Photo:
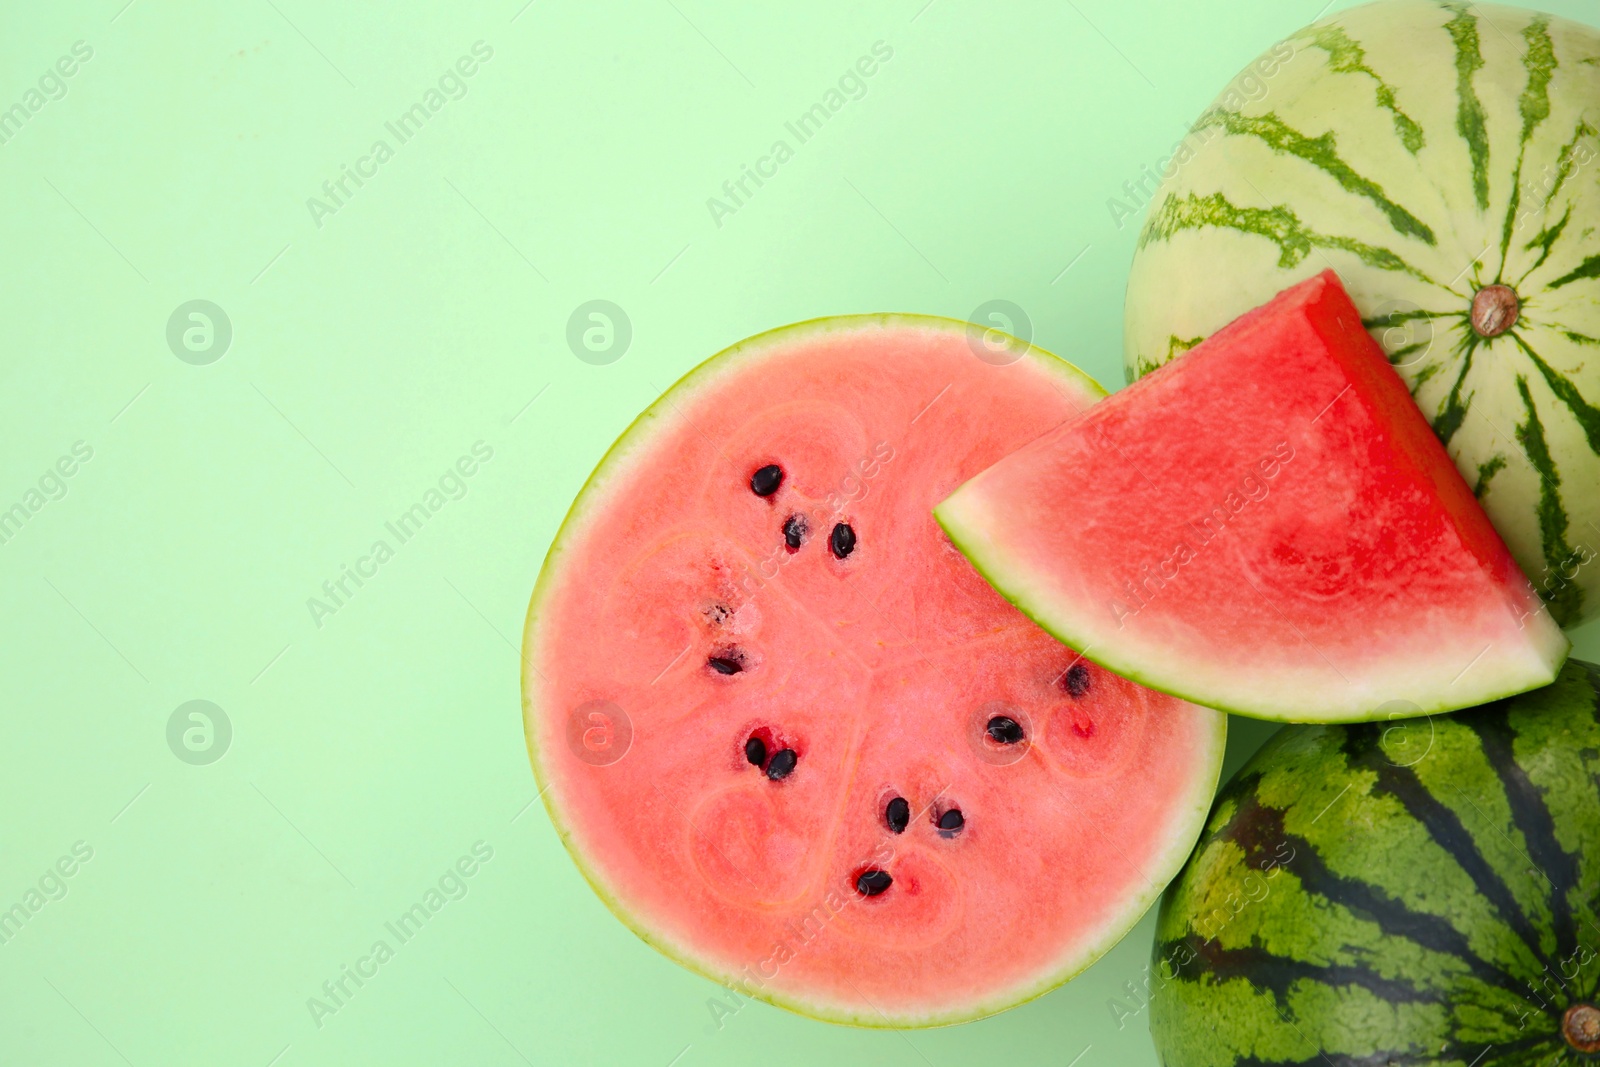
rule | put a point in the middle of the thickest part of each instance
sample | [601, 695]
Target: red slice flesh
[880, 670]
[1267, 525]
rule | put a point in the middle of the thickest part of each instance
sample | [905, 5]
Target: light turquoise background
[372, 347]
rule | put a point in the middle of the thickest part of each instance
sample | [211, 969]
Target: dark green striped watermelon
[1443, 158]
[1419, 891]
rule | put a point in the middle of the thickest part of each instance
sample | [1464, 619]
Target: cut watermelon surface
[795, 741]
[1266, 525]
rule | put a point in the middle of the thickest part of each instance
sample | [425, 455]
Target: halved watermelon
[1266, 525]
[788, 733]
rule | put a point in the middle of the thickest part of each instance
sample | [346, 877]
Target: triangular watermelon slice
[1266, 525]
[795, 741]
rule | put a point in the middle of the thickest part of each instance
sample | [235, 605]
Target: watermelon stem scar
[1581, 1027]
[1494, 310]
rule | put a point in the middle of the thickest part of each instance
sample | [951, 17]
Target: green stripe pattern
[1280, 225]
[1470, 122]
[1534, 106]
[1345, 56]
[1421, 891]
[1321, 152]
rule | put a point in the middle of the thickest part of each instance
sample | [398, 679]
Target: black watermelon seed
[1077, 680]
[897, 814]
[951, 821]
[1005, 730]
[725, 665]
[795, 529]
[765, 481]
[755, 750]
[842, 540]
[872, 881]
[782, 764]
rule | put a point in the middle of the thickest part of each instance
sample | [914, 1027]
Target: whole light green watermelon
[1414, 892]
[1443, 158]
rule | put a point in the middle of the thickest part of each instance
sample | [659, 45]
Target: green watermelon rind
[1368, 953]
[1165, 866]
[1016, 585]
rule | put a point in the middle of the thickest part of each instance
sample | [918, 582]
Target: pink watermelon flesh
[681, 656]
[1266, 525]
